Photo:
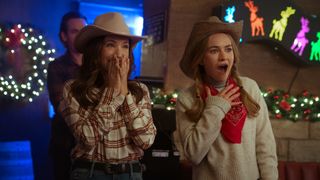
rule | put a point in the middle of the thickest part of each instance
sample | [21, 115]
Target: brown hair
[197, 56]
[92, 76]
[64, 23]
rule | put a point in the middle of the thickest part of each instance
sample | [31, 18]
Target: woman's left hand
[122, 65]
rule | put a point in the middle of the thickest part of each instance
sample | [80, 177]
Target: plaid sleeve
[139, 120]
[83, 129]
[110, 102]
[89, 125]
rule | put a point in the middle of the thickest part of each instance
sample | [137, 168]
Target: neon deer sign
[315, 50]
[229, 16]
[294, 32]
[256, 22]
[301, 41]
[279, 26]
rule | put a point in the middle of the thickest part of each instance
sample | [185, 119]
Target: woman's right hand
[118, 68]
[228, 93]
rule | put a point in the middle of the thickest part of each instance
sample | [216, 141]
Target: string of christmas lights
[281, 105]
[24, 53]
[166, 100]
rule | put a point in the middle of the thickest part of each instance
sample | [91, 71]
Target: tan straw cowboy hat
[202, 30]
[110, 23]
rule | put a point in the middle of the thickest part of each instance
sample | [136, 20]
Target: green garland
[24, 56]
[166, 100]
[281, 105]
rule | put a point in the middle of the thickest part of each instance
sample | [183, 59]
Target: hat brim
[92, 31]
[202, 30]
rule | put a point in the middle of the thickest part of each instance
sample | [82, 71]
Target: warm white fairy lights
[38, 56]
[281, 105]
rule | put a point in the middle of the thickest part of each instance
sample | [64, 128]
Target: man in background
[60, 71]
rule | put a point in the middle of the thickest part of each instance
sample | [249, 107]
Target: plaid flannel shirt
[115, 131]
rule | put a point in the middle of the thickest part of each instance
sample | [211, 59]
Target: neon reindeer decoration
[279, 26]
[315, 50]
[229, 14]
[256, 22]
[301, 41]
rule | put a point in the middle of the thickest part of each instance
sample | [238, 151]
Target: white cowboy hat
[110, 23]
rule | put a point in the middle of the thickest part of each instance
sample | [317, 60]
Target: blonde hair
[197, 56]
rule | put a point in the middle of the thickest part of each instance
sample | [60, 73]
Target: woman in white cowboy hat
[223, 126]
[109, 116]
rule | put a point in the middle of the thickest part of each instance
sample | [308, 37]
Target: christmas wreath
[24, 56]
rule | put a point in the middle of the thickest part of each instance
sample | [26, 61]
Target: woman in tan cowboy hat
[223, 127]
[109, 116]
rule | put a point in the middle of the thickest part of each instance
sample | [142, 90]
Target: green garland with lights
[24, 56]
[281, 105]
[162, 99]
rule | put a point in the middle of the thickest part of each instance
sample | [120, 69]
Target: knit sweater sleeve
[196, 137]
[265, 141]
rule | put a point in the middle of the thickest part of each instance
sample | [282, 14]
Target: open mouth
[223, 67]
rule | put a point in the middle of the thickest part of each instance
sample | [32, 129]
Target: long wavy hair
[92, 75]
[197, 56]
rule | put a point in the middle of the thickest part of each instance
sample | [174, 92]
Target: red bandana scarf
[233, 121]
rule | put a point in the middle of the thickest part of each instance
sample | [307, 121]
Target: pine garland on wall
[281, 105]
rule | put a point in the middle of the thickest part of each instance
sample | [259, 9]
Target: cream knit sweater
[211, 156]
